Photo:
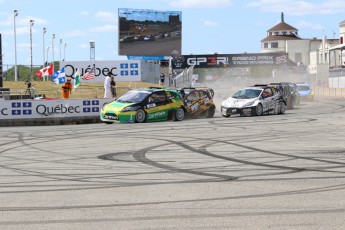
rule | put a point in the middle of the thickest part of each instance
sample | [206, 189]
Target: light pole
[47, 53]
[15, 14]
[60, 44]
[31, 24]
[53, 37]
[44, 59]
[64, 51]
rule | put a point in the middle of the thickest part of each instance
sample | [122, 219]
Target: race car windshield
[303, 87]
[246, 93]
[133, 96]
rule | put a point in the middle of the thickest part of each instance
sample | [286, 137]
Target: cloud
[200, 3]
[84, 33]
[210, 23]
[294, 7]
[305, 24]
[76, 33]
[106, 16]
[105, 28]
[84, 46]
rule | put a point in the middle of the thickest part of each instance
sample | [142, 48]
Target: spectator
[107, 86]
[162, 78]
[113, 86]
[30, 90]
[66, 89]
[171, 80]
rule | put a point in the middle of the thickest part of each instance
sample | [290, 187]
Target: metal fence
[185, 78]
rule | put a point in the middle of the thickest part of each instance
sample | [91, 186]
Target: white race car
[256, 100]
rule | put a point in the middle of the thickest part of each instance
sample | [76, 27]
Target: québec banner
[127, 70]
[31, 109]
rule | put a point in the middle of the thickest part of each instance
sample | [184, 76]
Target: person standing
[66, 89]
[162, 78]
[113, 86]
[171, 80]
[107, 86]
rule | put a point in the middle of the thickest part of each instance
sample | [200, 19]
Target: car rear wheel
[210, 112]
[282, 108]
[178, 115]
[140, 116]
[259, 110]
[277, 108]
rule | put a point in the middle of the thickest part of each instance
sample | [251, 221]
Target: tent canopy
[338, 47]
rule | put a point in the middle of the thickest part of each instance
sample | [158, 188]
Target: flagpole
[94, 83]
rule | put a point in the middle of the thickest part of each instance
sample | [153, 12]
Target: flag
[59, 77]
[89, 75]
[46, 71]
[76, 82]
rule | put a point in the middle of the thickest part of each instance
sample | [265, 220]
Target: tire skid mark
[339, 187]
[140, 156]
[205, 152]
[177, 217]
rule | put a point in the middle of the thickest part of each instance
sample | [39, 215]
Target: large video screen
[144, 32]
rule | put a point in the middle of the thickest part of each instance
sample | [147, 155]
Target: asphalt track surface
[268, 172]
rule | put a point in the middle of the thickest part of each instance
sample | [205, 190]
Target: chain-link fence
[185, 78]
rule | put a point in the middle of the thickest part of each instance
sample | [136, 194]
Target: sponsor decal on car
[157, 114]
[111, 117]
[194, 107]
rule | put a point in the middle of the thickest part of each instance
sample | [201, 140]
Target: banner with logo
[229, 60]
[28, 109]
[127, 70]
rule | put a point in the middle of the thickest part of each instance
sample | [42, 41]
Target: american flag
[89, 75]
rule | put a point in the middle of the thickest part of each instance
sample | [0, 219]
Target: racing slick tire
[259, 110]
[178, 115]
[276, 109]
[210, 112]
[282, 108]
[140, 116]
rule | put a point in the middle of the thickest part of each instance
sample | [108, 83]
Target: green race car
[144, 105]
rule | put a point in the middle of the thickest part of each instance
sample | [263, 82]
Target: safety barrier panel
[329, 92]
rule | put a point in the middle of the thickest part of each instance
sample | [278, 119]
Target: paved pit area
[276, 171]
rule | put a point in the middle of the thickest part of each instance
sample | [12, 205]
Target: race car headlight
[248, 103]
[105, 104]
[130, 108]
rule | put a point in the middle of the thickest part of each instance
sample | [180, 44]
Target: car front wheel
[178, 115]
[259, 110]
[140, 116]
[282, 108]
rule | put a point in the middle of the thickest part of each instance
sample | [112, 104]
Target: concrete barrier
[50, 112]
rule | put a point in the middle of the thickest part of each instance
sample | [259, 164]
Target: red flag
[46, 71]
[89, 75]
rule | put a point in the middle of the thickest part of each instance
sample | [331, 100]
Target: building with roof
[323, 58]
[284, 38]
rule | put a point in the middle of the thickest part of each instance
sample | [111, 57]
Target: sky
[208, 26]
